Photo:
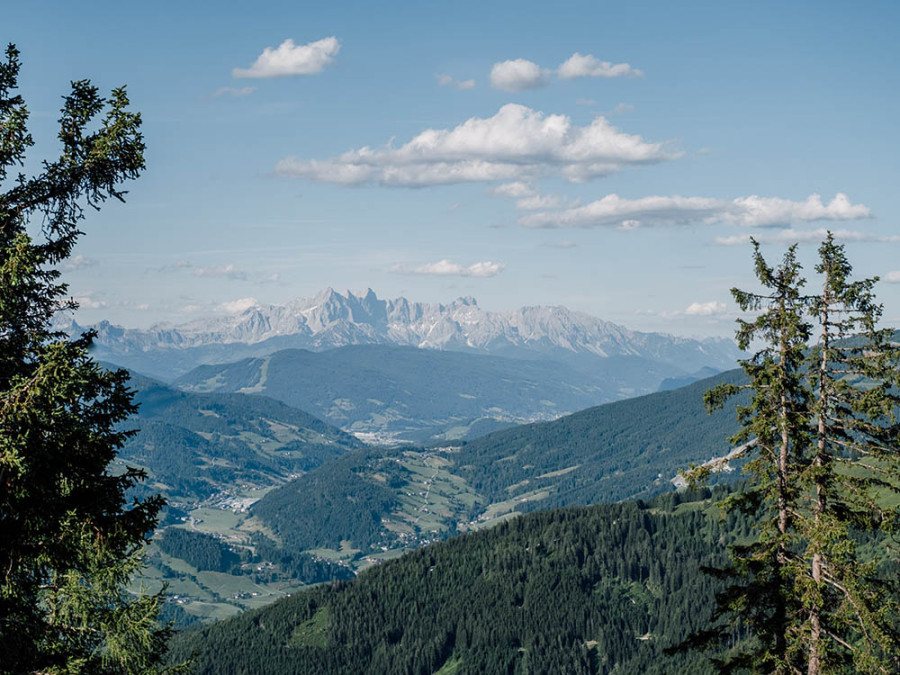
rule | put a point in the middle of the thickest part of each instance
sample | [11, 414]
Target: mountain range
[330, 319]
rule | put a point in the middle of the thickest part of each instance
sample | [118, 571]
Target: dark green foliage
[326, 506]
[822, 439]
[616, 451]
[567, 591]
[300, 566]
[195, 445]
[69, 541]
[201, 550]
[620, 449]
[774, 431]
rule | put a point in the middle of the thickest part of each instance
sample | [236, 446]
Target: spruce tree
[821, 439]
[773, 434]
[853, 377]
[69, 541]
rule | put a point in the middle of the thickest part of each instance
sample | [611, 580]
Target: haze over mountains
[330, 319]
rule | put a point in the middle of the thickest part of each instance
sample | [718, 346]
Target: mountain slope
[627, 449]
[195, 445]
[330, 320]
[600, 589]
[616, 451]
[403, 390]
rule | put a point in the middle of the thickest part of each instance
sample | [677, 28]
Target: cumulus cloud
[448, 81]
[892, 277]
[79, 262]
[239, 306]
[446, 268]
[519, 75]
[752, 211]
[705, 308]
[291, 59]
[516, 144]
[587, 65]
[771, 211]
[791, 236]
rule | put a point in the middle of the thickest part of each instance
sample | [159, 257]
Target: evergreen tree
[69, 542]
[822, 439]
[774, 435]
[853, 375]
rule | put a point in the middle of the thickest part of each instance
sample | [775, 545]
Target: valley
[296, 501]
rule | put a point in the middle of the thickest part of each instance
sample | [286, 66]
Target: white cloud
[892, 277]
[579, 65]
[705, 308]
[771, 211]
[752, 211]
[561, 244]
[447, 268]
[234, 92]
[291, 59]
[516, 190]
[791, 236]
[528, 198]
[79, 262]
[519, 75]
[613, 210]
[516, 144]
[448, 81]
[537, 202]
[239, 306]
[622, 109]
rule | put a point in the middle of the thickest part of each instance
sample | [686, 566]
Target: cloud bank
[290, 59]
[516, 144]
[655, 211]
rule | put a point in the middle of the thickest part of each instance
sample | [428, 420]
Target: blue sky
[609, 157]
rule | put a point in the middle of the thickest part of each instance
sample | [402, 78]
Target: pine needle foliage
[69, 541]
[821, 440]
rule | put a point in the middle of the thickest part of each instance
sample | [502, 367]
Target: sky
[613, 158]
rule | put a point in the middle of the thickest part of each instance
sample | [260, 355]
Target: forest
[597, 589]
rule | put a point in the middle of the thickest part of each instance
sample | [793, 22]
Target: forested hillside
[211, 456]
[621, 450]
[197, 445]
[402, 497]
[584, 590]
